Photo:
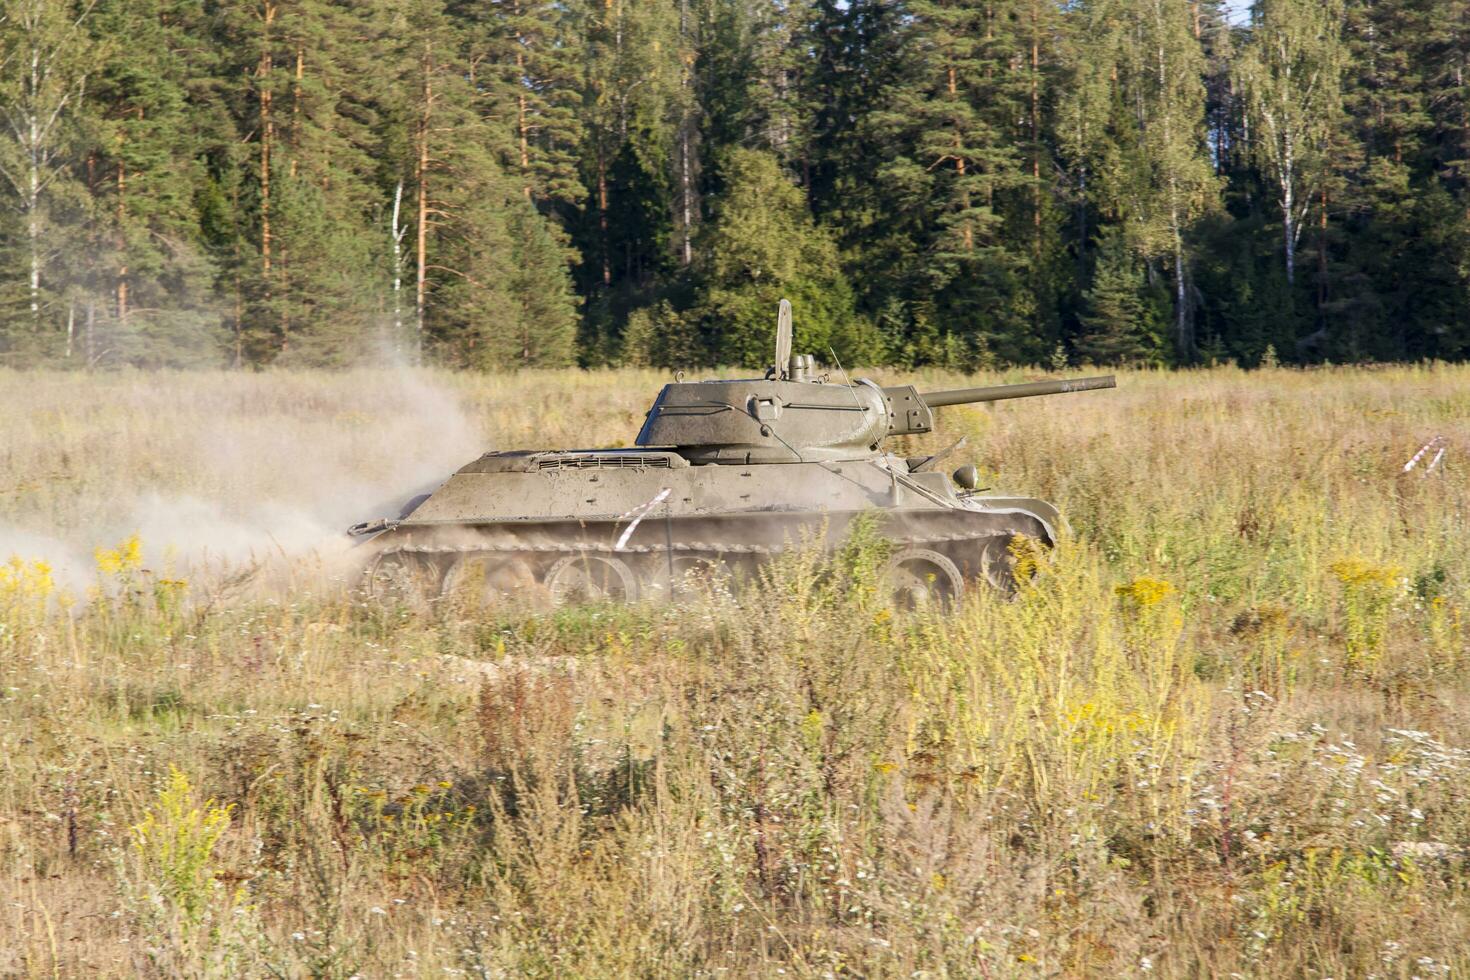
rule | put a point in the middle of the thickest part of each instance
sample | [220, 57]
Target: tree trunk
[967, 230]
[686, 192]
[33, 188]
[602, 216]
[1288, 205]
[122, 266]
[1288, 227]
[396, 233]
[1036, 132]
[1183, 324]
[267, 136]
[522, 124]
[33, 222]
[235, 267]
[421, 176]
[1081, 222]
[283, 267]
[1322, 258]
[299, 76]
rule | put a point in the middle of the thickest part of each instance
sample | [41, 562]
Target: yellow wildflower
[126, 557]
[21, 579]
[1356, 573]
[1145, 591]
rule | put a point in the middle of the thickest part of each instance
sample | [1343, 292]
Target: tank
[724, 475]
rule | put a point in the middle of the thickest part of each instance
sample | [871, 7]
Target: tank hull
[639, 521]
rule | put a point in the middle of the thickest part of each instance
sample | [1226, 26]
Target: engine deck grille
[606, 461]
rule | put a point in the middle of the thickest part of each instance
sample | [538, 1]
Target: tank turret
[792, 415]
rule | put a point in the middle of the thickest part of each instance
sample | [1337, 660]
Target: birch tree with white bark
[44, 56]
[1169, 73]
[1132, 121]
[1290, 78]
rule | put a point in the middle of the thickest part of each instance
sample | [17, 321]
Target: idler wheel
[918, 578]
[586, 578]
[403, 578]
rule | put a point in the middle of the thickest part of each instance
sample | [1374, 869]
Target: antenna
[845, 379]
[783, 340]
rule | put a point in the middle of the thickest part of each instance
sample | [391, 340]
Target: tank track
[691, 546]
[653, 557]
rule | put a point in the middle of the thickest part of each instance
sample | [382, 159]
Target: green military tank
[725, 474]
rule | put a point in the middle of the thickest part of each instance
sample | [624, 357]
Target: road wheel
[485, 579]
[918, 578]
[690, 576]
[403, 578]
[586, 578]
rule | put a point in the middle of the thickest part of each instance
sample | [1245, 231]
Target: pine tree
[1119, 324]
[306, 199]
[954, 139]
[501, 299]
[530, 51]
[761, 246]
[328, 279]
[147, 293]
[1446, 54]
[851, 62]
[1379, 153]
[632, 110]
[952, 221]
[490, 281]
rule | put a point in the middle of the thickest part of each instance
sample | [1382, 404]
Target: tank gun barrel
[995, 393]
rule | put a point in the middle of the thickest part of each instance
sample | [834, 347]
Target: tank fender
[1050, 517]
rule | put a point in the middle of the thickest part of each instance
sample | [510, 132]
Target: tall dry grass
[1225, 730]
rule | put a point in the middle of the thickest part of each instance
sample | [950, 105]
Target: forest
[499, 184]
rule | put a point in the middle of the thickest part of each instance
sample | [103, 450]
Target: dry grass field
[1225, 730]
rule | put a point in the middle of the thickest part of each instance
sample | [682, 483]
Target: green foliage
[529, 183]
[175, 844]
[1290, 77]
[504, 298]
[760, 246]
[660, 336]
[1122, 319]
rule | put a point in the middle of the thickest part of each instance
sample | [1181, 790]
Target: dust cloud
[267, 476]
